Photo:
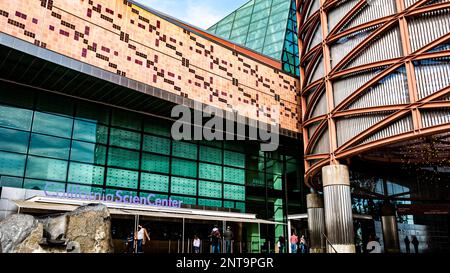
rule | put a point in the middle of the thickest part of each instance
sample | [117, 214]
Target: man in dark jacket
[228, 236]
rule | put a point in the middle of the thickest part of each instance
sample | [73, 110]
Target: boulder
[15, 229]
[84, 230]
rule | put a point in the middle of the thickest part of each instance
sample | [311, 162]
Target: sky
[200, 13]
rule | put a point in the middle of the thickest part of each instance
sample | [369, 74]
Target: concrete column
[338, 209]
[316, 222]
[390, 229]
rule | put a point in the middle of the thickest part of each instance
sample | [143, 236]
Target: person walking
[196, 244]
[141, 237]
[215, 239]
[281, 244]
[415, 243]
[228, 236]
[407, 244]
[294, 241]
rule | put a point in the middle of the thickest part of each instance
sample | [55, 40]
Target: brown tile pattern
[123, 38]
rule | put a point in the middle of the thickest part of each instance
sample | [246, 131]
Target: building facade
[374, 86]
[358, 90]
[86, 100]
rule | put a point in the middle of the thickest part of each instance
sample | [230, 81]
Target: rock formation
[84, 230]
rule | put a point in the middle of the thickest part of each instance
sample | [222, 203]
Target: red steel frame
[308, 60]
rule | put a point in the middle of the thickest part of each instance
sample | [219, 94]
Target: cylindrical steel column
[390, 229]
[316, 222]
[338, 209]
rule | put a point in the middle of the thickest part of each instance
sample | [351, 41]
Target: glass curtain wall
[50, 138]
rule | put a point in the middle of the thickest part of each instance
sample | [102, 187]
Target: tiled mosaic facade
[125, 39]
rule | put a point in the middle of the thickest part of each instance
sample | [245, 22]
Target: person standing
[196, 244]
[281, 244]
[407, 244]
[215, 239]
[130, 243]
[294, 241]
[303, 245]
[415, 243]
[228, 236]
[141, 237]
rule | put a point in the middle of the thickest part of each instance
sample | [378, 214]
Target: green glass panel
[228, 204]
[234, 159]
[257, 34]
[88, 131]
[123, 158]
[49, 146]
[272, 43]
[126, 119]
[240, 206]
[55, 104]
[261, 15]
[234, 192]
[161, 127]
[277, 8]
[52, 125]
[122, 178]
[15, 117]
[184, 149]
[86, 174]
[237, 32]
[186, 200]
[261, 5]
[155, 163]
[154, 182]
[243, 12]
[210, 154]
[210, 189]
[156, 145]
[9, 181]
[45, 168]
[183, 186]
[83, 190]
[256, 44]
[211, 172]
[88, 152]
[255, 179]
[93, 113]
[241, 22]
[210, 203]
[240, 39]
[233, 175]
[123, 193]
[258, 25]
[154, 196]
[254, 163]
[41, 185]
[13, 140]
[184, 167]
[12, 164]
[125, 138]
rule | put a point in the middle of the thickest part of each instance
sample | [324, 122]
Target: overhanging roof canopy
[64, 205]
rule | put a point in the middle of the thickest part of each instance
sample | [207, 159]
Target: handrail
[328, 241]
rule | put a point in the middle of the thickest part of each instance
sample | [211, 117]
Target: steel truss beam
[350, 148]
